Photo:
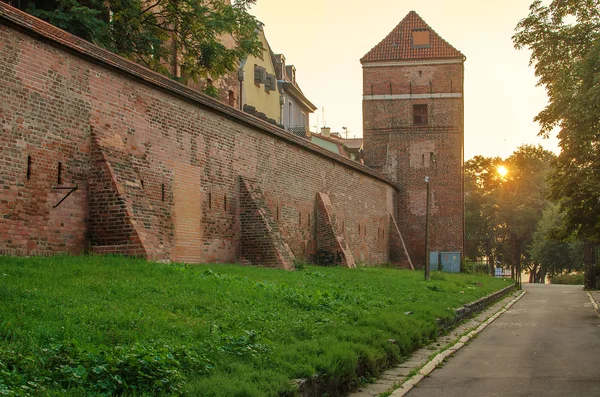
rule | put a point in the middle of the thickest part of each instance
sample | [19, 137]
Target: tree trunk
[533, 274]
[517, 259]
[488, 253]
[543, 272]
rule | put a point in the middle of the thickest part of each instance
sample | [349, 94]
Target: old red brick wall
[157, 165]
[407, 153]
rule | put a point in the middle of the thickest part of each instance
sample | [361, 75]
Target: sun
[502, 170]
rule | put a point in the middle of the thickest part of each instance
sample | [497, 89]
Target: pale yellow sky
[325, 39]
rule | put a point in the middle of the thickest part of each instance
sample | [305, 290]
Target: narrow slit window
[209, 201]
[28, 167]
[142, 183]
[300, 218]
[431, 158]
[277, 213]
[308, 219]
[162, 192]
[225, 203]
[422, 160]
[59, 173]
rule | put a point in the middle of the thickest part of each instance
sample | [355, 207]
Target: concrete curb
[594, 303]
[432, 364]
[468, 309]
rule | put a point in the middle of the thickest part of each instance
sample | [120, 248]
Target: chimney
[326, 131]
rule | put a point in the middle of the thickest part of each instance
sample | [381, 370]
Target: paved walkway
[398, 375]
[547, 344]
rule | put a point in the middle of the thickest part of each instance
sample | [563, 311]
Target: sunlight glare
[502, 170]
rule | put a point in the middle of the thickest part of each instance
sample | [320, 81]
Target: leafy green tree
[502, 211]
[482, 182]
[550, 255]
[185, 39]
[522, 198]
[88, 20]
[564, 38]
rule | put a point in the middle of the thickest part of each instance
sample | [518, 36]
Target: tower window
[419, 114]
[421, 38]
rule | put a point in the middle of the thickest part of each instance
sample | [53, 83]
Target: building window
[421, 38]
[419, 114]
[231, 99]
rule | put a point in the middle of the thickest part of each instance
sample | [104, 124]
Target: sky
[325, 40]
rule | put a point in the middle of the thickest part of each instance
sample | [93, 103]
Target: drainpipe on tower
[241, 74]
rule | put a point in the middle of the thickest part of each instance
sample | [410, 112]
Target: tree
[481, 187]
[185, 39]
[502, 211]
[564, 38]
[522, 198]
[550, 255]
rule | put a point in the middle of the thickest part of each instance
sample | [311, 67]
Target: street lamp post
[427, 211]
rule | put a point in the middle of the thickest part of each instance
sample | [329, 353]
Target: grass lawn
[113, 325]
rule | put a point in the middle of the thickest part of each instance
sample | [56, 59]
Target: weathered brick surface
[121, 217]
[332, 248]
[157, 164]
[407, 153]
[398, 249]
[261, 240]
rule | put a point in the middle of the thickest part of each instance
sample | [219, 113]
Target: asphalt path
[547, 344]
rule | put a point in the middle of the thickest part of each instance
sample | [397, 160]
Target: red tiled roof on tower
[412, 39]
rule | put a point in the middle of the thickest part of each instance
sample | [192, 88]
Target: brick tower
[413, 127]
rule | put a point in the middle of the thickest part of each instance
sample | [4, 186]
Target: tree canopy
[482, 181]
[502, 211]
[564, 38]
[185, 39]
[553, 256]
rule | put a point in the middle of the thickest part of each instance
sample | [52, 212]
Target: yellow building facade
[259, 87]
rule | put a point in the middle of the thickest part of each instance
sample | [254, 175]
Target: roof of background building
[398, 44]
[289, 86]
[353, 143]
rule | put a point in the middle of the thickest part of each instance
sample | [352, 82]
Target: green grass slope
[112, 325]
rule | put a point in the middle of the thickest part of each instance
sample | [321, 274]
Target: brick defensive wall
[98, 154]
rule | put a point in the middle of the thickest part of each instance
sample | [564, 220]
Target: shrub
[571, 279]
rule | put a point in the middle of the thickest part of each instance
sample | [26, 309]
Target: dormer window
[421, 38]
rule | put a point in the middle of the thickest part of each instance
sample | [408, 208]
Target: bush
[150, 368]
[570, 279]
[474, 267]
